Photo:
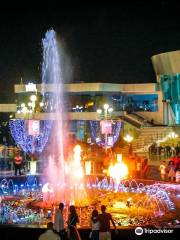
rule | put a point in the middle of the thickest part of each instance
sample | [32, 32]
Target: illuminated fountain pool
[130, 203]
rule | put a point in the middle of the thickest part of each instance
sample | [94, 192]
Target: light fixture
[128, 138]
[172, 135]
[106, 106]
[30, 104]
[99, 111]
[33, 98]
[110, 110]
[41, 104]
[23, 105]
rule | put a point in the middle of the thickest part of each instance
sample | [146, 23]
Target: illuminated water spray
[62, 175]
[73, 167]
[52, 74]
[75, 190]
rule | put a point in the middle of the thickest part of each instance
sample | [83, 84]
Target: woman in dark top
[73, 219]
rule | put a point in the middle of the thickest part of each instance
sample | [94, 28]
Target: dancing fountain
[52, 74]
[62, 176]
[131, 203]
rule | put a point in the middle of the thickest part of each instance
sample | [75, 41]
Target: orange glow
[78, 171]
[89, 104]
[77, 155]
[118, 171]
[88, 167]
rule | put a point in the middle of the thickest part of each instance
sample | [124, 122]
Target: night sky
[103, 43]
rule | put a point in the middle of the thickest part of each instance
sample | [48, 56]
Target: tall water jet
[52, 75]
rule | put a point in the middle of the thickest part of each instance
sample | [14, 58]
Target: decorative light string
[100, 138]
[29, 143]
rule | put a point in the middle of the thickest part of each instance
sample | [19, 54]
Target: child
[172, 173]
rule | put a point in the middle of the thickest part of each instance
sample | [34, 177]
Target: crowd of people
[98, 222]
[166, 150]
[170, 170]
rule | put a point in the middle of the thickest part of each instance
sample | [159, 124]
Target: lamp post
[104, 112]
[173, 136]
[27, 108]
[128, 138]
[33, 99]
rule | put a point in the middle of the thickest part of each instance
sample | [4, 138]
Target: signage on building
[110, 141]
[106, 126]
[98, 139]
[33, 127]
[30, 87]
[88, 140]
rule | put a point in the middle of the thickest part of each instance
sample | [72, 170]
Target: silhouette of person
[49, 234]
[104, 220]
[59, 222]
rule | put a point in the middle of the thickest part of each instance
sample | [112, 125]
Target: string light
[100, 138]
[29, 143]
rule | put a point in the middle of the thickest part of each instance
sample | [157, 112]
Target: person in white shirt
[59, 222]
[94, 224]
[49, 234]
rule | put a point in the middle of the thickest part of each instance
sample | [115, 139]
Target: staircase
[130, 120]
[135, 120]
[148, 135]
[140, 119]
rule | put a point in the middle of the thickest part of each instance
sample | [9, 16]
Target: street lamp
[128, 138]
[172, 135]
[104, 112]
[99, 111]
[29, 108]
[106, 109]
[33, 99]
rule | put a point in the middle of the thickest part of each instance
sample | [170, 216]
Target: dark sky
[105, 43]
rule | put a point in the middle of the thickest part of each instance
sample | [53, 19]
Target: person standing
[178, 175]
[144, 169]
[138, 167]
[59, 222]
[49, 234]
[162, 169]
[104, 220]
[94, 224]
[73, 219]
[133, 167]
[18, 163]
[172, 173]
